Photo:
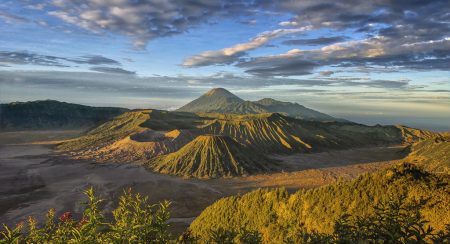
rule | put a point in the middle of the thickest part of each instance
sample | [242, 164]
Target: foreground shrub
[135, 220]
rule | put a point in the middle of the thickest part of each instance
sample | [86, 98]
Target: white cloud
[230, 54]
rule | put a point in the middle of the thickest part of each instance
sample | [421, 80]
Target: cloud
[11, 18]
[375, 51]
[368, 15]
[282, 68]
[411, 35]
[25, 57]
[231, 54]
[95, 60]
[249, 22]
[113, 81]
[326, 73]
[315, 41]
[113, 70]
[100, 83]
[143, 20]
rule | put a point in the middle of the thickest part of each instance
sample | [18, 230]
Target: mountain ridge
[52, 114]
[220, 100]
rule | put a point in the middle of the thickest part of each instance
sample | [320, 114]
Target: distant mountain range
[50, 114]
[220, 100]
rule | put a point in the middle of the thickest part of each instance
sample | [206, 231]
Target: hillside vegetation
[49, 114]
[433, 154]
[279, 216]
[210, 156]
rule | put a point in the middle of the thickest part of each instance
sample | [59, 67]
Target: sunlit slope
[274, 212]
[116, 129]
[135, 136]
[211, 156]
[412, 135]
[433, 154]
[272, 132]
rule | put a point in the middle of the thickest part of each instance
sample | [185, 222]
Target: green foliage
[281, 217]
[9, 235]
[432, 153]
[135, 221]
[242, 236]
[393, 221]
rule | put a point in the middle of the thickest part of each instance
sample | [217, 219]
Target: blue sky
[372, 61]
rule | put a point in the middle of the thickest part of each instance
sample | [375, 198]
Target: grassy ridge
[275, 213]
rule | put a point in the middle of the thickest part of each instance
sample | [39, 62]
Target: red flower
[82, 222]
[66, 216]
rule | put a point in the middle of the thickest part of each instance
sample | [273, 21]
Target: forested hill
[278, 216]
[50, 114]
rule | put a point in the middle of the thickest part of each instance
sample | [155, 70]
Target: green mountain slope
[277, 214]
[219, 100]
[51, 114]
[210, 156]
